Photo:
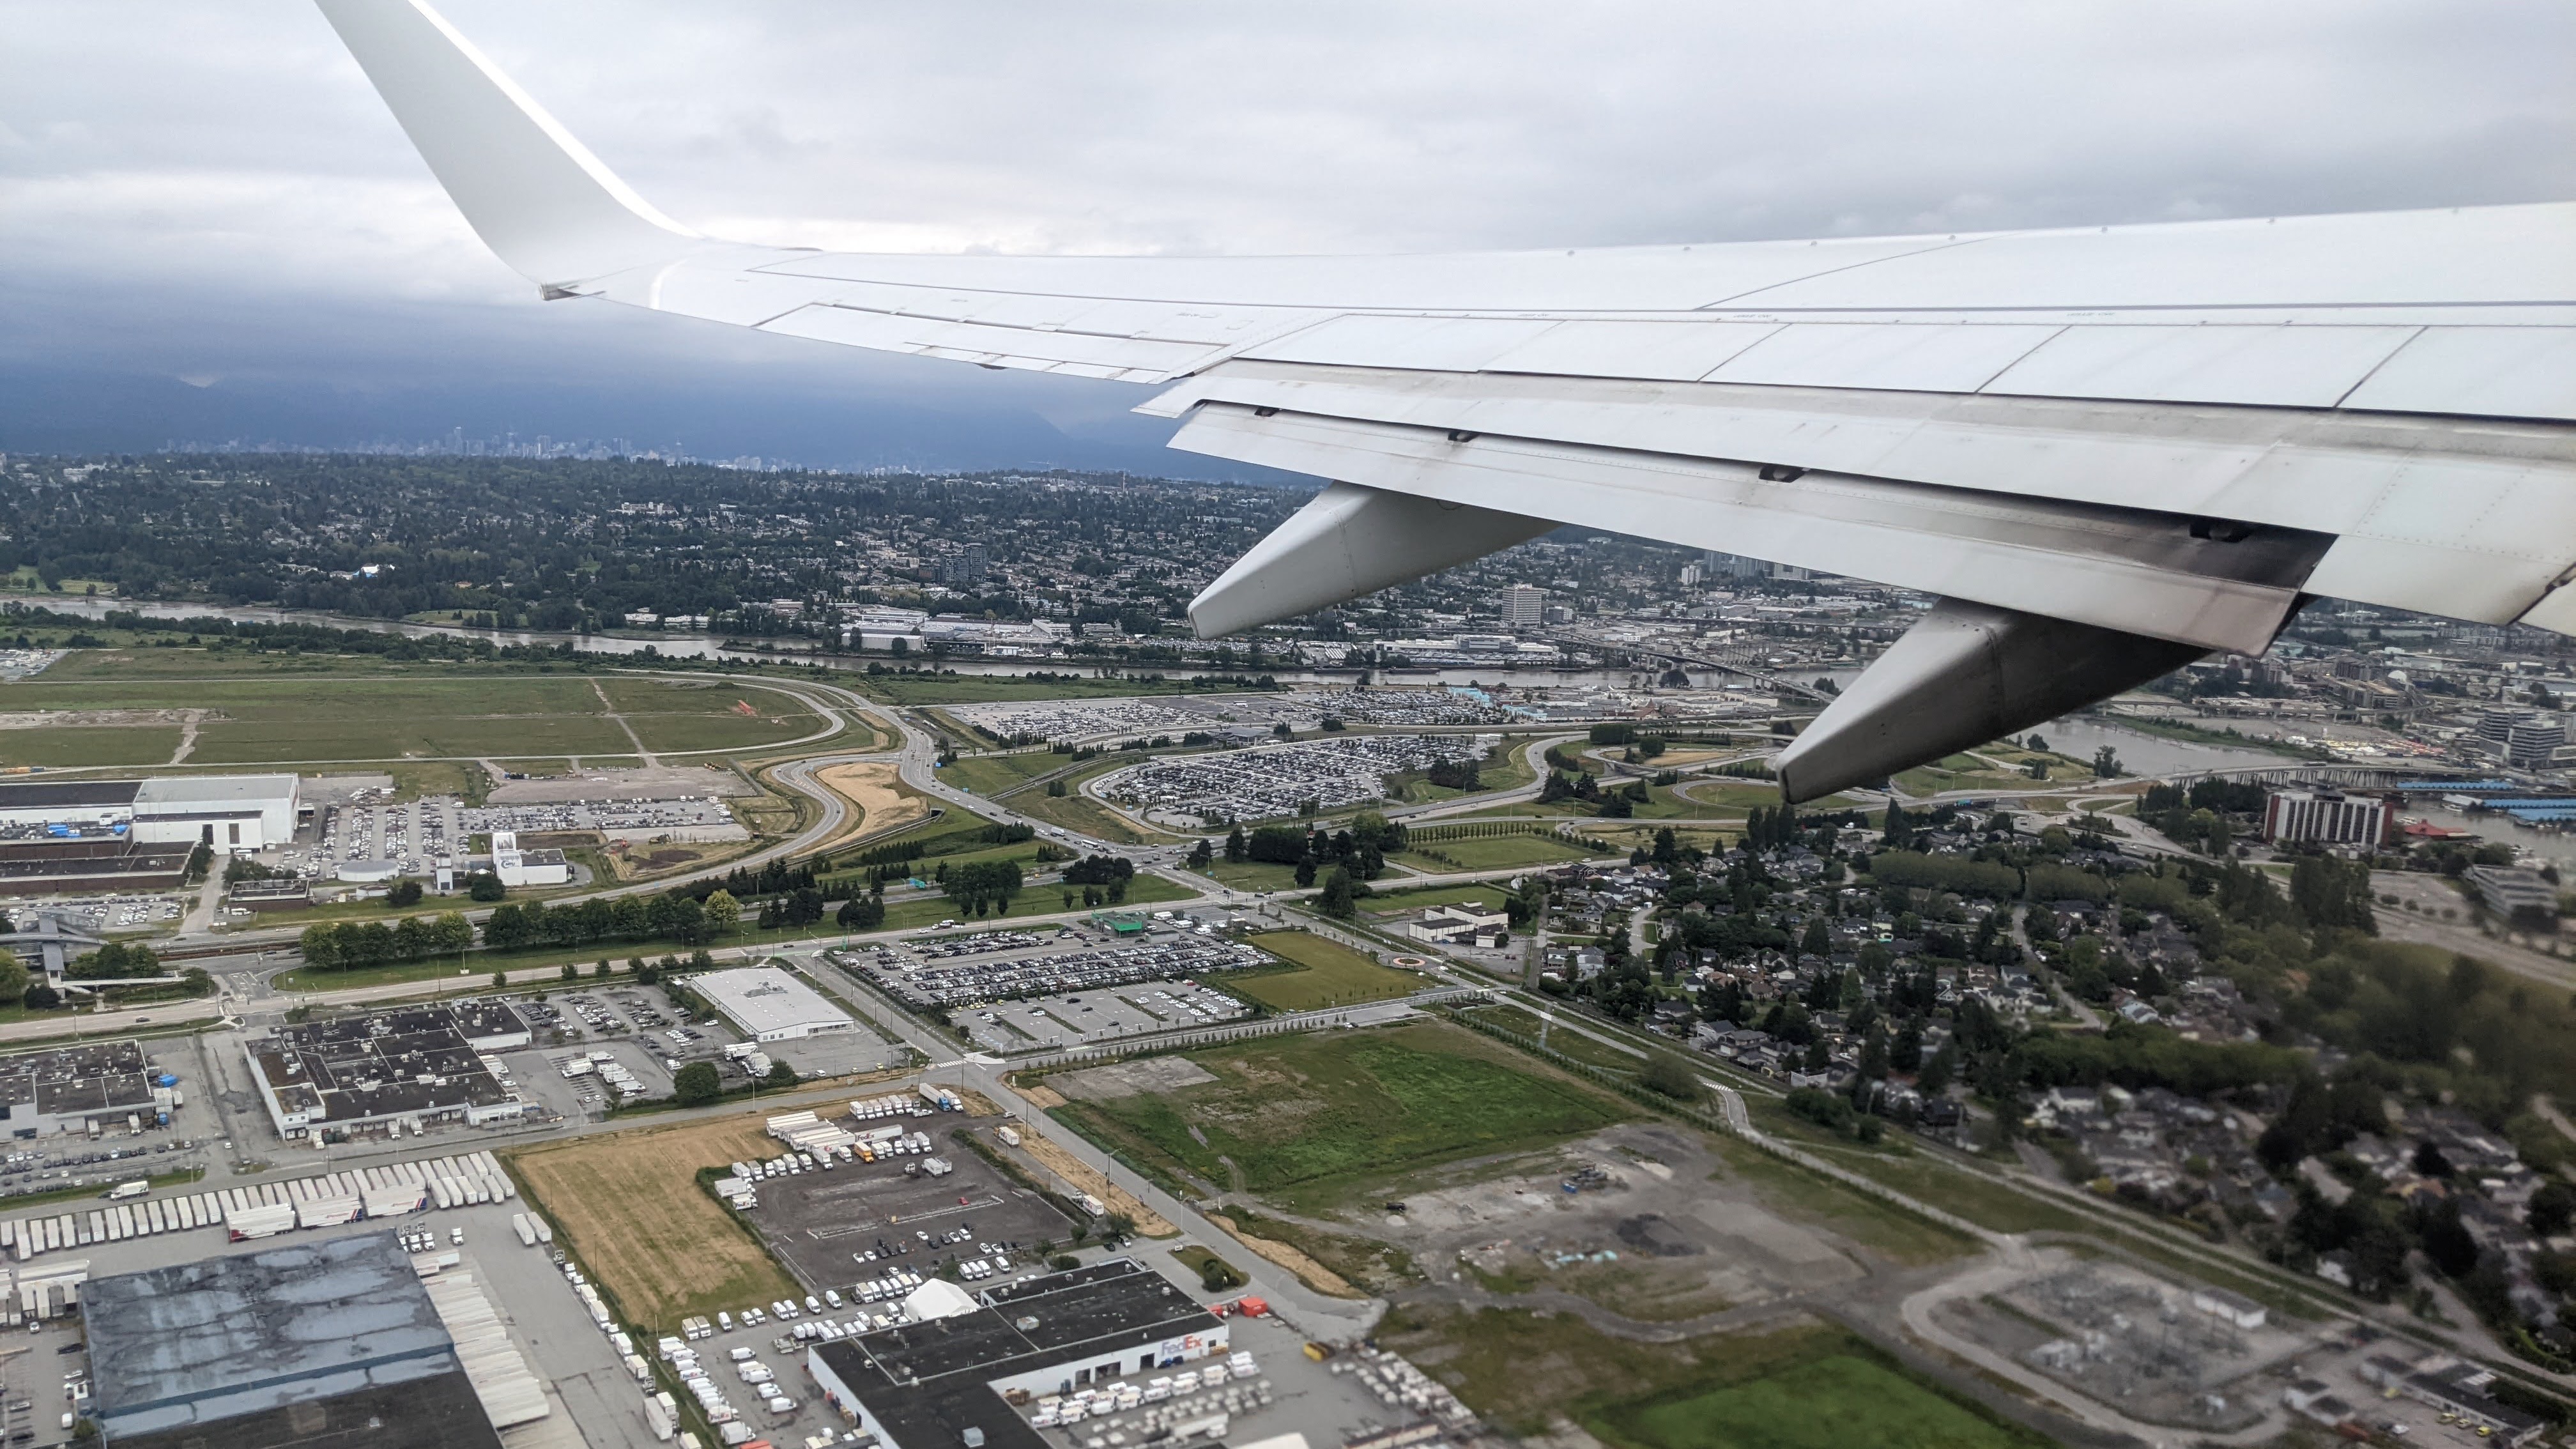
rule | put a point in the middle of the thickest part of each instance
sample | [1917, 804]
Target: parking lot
[859, 1222]
[38, 1379]
[1270, 781]
[933, 971]
[1099, 1015]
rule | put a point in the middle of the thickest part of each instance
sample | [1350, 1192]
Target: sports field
[1322, 1114]
[1326, 974]
[658, 1244]
[286, 719]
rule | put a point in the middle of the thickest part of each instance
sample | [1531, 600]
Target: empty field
[631, 1207]
[69, 747]
[675, 716]
[1321, 1114]
[1806, 1384]
[346, 718]
[1395, 902]
[1827, 1403]
[1325, 973]
[993, 774]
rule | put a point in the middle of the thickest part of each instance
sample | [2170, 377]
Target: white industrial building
[228, 812]
[770, 1005]
[517, 867]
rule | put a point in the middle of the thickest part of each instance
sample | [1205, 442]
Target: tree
[2106, 763]
[1670, 1074]
[42, 997]
[861, 913]
[571, 972]
[14, 976]
[1306, 867]
[483, 885]
[403, 893]
[1338, 898]
[697, 1084]
[721, 912]
[1235, 845]
[2552, 1208]
[500, 980]
[1201, 855]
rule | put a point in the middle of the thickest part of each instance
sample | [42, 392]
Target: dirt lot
[872, 788]
[1081, 1178]
[631, 1207]
[1667, 1234]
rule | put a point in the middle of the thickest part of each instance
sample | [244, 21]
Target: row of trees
[350, 945]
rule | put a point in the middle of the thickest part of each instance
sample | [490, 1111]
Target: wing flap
[2137, 572]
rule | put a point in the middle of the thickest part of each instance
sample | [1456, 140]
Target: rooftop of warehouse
[765, 998]
[930, 1378]
[214, 789]
[93, 1077]
[439, 1412]
[67, 794]
[197, 1343]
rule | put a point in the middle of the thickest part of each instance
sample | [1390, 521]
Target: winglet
[536, 196]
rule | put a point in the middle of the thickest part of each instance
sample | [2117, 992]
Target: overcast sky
[210, 227]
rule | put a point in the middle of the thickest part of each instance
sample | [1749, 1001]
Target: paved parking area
[1080, 1018]
[36, 1380]
[928, 972]
[861, 1220]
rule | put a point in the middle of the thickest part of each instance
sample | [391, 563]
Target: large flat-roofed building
[420, 1064]
[328, 1345]
[2327, 817]
[67, 1088]
[60, 837]
[770, 1005]
[942, 1382]
[228, 812]
[39, 803]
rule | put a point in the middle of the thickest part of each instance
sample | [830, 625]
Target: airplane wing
[2108, 450]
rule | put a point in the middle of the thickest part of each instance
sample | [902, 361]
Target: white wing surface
[2109, 450]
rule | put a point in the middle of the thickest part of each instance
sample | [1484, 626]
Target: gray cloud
[212, 192]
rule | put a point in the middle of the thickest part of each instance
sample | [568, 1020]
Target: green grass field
[993, 774]
[1396, 902]
[1574, 1045]
[1253, 875]
[675, 715]
[282, 719]
[1326, 973]
[1827, 1403]
[1523, 1371]
[1316, 1116]
[75, 747]
[1076, 811]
